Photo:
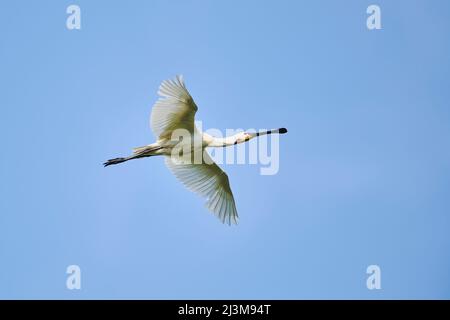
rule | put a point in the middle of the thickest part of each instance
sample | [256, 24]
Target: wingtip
[180, 79]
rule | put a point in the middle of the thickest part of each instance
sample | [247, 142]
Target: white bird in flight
[175, 110]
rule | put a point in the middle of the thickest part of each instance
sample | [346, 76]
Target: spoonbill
[175, 110]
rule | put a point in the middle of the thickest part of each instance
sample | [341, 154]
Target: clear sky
[364, 171]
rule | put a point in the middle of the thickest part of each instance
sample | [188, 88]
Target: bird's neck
[240, 137]
[223, 142]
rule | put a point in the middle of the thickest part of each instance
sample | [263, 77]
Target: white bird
[175, 110]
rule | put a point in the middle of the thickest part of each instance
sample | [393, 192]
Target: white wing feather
[175, 109]
[210, 181]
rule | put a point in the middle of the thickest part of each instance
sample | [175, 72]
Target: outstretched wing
[175, 109]
[209, 181]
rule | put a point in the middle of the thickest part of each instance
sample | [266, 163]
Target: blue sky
[364, 170]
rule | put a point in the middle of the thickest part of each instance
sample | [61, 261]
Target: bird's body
[184, 148]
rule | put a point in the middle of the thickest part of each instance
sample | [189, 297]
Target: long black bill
[280, 131]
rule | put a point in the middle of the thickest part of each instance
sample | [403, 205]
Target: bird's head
[243, 137]
[246, 136]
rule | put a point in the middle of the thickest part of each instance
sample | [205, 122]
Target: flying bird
[172, 116]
